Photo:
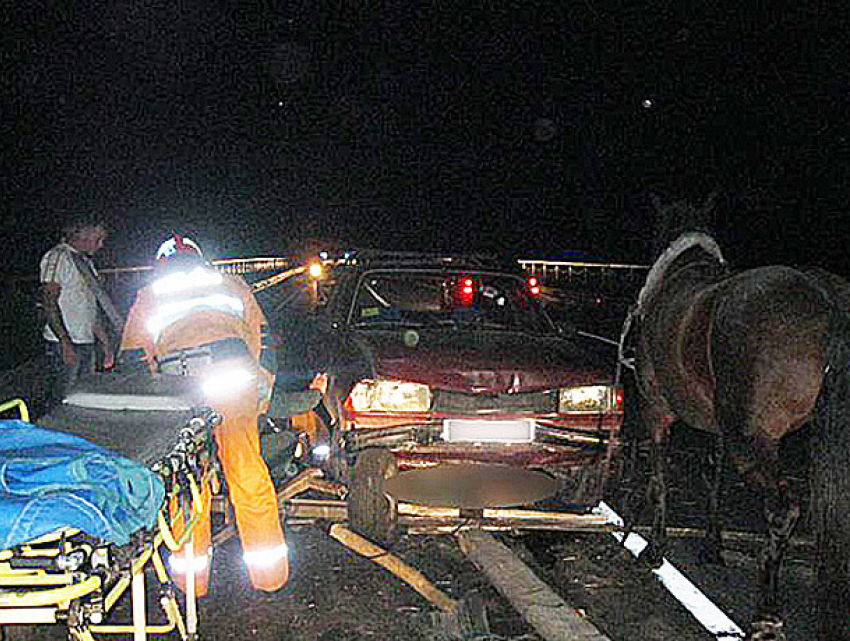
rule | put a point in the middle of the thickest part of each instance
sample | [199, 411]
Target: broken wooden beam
[550, 616]
[413, 577]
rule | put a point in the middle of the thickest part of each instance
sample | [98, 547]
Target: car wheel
[371, 511]
[580, 487]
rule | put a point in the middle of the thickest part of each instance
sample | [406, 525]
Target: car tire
[371, 511]
[579, 488]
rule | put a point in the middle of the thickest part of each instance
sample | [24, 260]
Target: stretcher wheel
[371, 511]
[16, 632]
[32, 632]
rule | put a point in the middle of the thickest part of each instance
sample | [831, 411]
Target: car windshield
[479, 300]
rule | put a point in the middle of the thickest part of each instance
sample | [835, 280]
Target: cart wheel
[371, 511]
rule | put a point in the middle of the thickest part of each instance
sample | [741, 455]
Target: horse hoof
[711, 555]
[768, 627]
[651, 557]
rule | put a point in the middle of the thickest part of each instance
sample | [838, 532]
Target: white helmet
[178, 247]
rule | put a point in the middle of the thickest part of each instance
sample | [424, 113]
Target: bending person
[193, 320]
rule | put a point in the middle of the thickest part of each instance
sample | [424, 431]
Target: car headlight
[390, 396]
[588, 398]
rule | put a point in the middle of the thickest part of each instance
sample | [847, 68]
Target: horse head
[680, 217]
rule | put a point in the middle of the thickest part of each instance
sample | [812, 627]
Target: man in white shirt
[70, 299]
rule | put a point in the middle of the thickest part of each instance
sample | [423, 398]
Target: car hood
[483, 362]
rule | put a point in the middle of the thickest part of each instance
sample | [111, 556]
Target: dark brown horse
[751, 357]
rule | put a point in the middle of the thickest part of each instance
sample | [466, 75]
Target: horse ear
[705, 215]
[710, 202]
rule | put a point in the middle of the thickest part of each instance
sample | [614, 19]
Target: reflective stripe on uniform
[180, 564]
[168, 313]
[266, 557]
[181, 294]
[198, 278]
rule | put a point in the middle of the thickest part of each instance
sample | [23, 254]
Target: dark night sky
[542, 128]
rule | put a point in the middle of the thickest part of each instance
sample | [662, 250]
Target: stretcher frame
[71, 578]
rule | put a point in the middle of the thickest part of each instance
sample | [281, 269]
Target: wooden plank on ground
[550, 616]
[410, 575]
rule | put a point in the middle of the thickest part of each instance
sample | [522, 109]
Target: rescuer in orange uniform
[193, 320]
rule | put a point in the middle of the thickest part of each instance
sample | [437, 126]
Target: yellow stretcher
[96, 588]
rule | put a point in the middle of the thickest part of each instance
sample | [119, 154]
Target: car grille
[456, 403]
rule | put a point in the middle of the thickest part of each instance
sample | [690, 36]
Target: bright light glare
[226, 381]
[316, 270]
[390, 396]
[321, 452]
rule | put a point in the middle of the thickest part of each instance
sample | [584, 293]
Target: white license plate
[465, 430]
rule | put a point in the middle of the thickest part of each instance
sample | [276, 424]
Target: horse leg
[635, 469]
[636, 499]
[781, 514]
[833, 576]
[758, 462]
[659, 425]
[712, 545]
[830, 487]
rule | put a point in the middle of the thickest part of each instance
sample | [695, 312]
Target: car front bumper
[550, 441]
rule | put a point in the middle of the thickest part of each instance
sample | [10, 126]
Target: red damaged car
[451, 386]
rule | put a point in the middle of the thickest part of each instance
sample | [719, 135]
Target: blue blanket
[50, 479]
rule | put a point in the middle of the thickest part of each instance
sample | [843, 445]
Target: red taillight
[618, 399]
[534, 286]
[467, 291]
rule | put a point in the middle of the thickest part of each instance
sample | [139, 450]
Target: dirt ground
[335, 594]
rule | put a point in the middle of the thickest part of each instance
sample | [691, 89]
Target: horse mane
[678, 247]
